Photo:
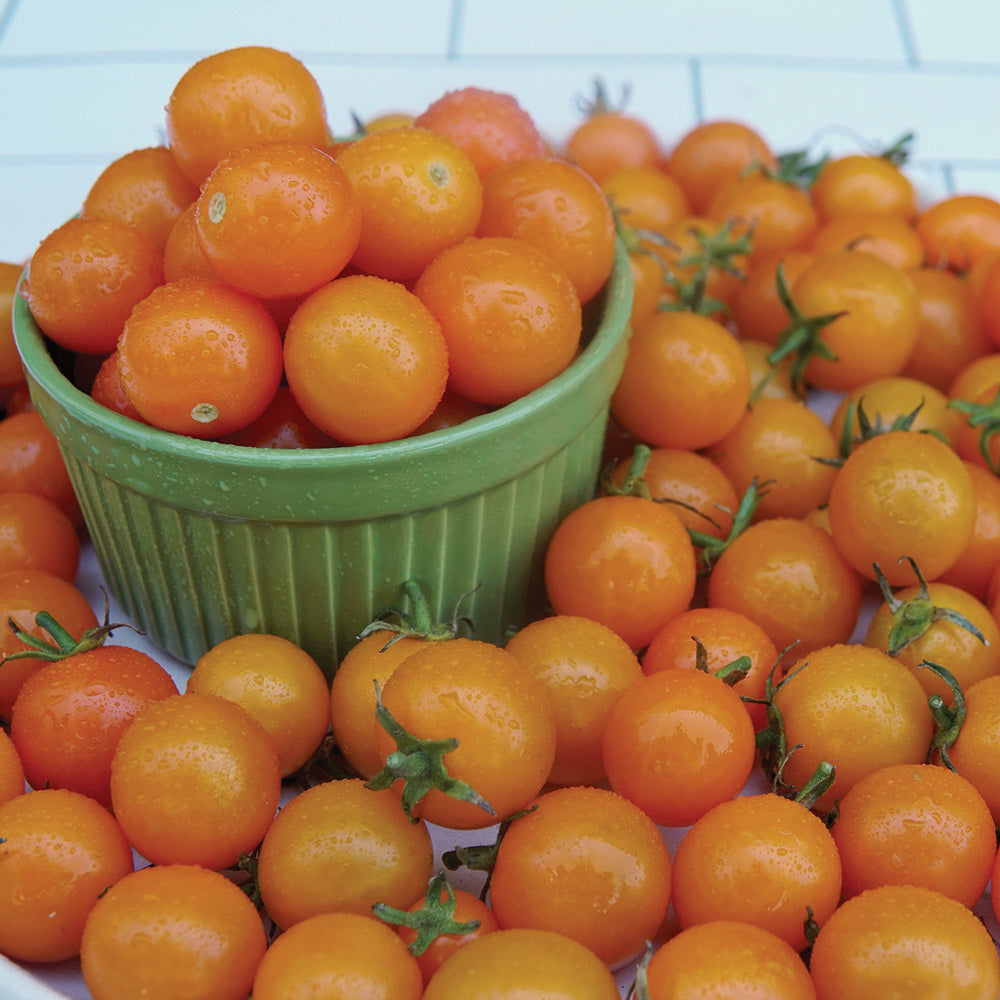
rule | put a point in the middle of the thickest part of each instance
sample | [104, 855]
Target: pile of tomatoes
[772, 640]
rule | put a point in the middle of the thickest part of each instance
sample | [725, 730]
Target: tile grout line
[6, 16]
[905, 26]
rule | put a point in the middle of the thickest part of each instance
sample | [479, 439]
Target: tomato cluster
[772, 638]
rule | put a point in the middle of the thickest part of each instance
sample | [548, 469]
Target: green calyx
[986, 418]
[419, 623]
[435, 917]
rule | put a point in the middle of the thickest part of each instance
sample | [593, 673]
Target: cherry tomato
[282, 425]
[61, 851]
[677, 743]
[585, 667]
[339, 847]
[278, 683]
[183, 256]
[646, 198]
[959, 229]
[624, 561]
[586, 863]
[147, 935]
[974, 754]
[884, 235]
[981, 556]
[419, 193]
[31, 462]
[757, 309]
[195, 780]
[11, 369]
[904, 941]
[916, 824]
[365, 359]
[862, 182]
[35, 533]
[11, 769]
[340, 956]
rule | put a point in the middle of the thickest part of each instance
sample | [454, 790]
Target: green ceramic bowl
[199, 541]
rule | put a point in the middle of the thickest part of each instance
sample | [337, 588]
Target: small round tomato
[727, 959]
[686, 382]
[904, 941]
[183, 256]
[863, 182]
[61, 851]
[886, 236]
[479, 695]
[722, 636]
[624, 561]
[339, 847]
[677, 743]
[523, 962]
[585, 667]
[785, 448]
[195, 780]
[646, 198]
[237, 97]
[975, 754]
[758, 311]
[959, 229]
[916, 824]
[282, 425]
[763, 859]
[107, 388]
[199, 358]
[419, 193]
[339, 956]
[144, 188]
[558, 208]
[31, 462]
[898, 496]
[35, 533]
[70, 714]
[787, 575]
[586, 863]
[172, 931]
[712, 153]
[490, 126]
[853, 707]
[11, 769]
[84, 279]
[365, 359]
[23, 594]
[11, 368]
[981, 556]
[278, 218]
[278, 683]
[490, 283]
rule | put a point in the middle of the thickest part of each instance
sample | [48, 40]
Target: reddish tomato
[916, 824]
[147, 935]
[902, 495]
[904, 941]
[585, 863]
[585, 667]
[238, 97]
[712, 153]
[144, 188]
[480, 695]
[762, 858]
[278, 683]
[624, 561]
[278, 219]
[788, 576]
[313, 860]
[23, 594]
[107, 388]
[526, 962]
[854, 707]
[686, 382]
[195, 780]
[677, 743]
[200, 358]
[340, 956]
[365, 359]
[493, 282]
[84, 279]
[488, 125]
[61, 852]
[557, 208]
[69, 715]
[419, 193]
[11, 769]
[758, 311]
[727, 959]
[282, 425]
[31, 462]
[35, 533]
[11, 369]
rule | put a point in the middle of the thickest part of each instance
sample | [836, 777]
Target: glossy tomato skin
[624, 561]
[61, 851]
[763, 858]
[523, 962]
[311, 957]
[313, 859]
[476, 693]
[11, 769]
[855, 707]
[975, 753]
[146, 937]
[586, 863]
[904, 941]
[69, 716]
[677, 743]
